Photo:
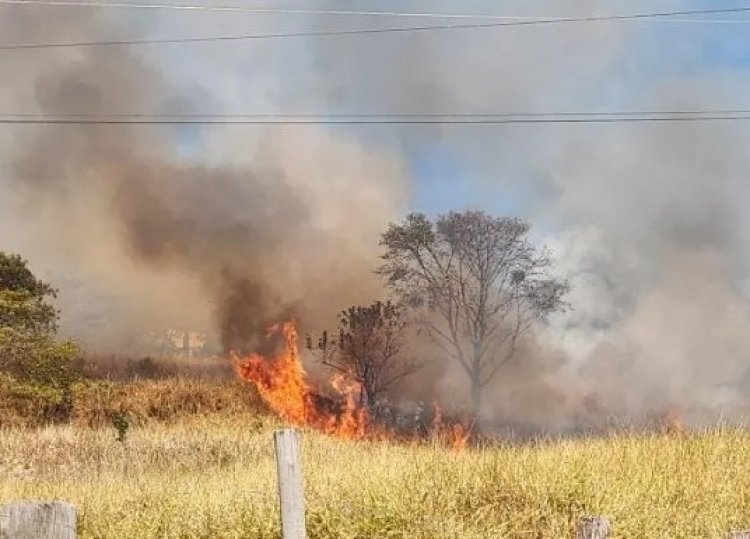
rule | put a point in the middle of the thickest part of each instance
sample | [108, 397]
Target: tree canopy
[24, 299]
[369, 348]
[29, 352]
[479, 281]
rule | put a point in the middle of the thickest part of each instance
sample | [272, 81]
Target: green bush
[29, 404]
[38, 374]
[38, 371]
[39, 359]
[24, 299]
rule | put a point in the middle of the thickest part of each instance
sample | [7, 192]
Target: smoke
[647, 220]
[232, 228]
[662, 267]
[276, 224]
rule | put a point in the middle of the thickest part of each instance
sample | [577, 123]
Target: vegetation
[214, 476]
[142, 402]
[369, 349]
[24, 299]
[35, 369]
[144, 452]
[124, 368]
[480, 281]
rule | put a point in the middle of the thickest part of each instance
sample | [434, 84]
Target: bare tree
[479, 282]
[368, 349]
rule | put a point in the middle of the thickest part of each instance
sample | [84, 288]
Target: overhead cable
[374, 31]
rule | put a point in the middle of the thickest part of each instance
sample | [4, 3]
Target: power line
[372, 31]
[277, 11]
[240, 9]
[371, 121]
[379, 116]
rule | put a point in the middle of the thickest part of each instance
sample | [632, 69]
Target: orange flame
[671, 421]
[281, 380]
[456, 435]
[282, 383]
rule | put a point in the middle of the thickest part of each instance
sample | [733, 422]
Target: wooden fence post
[34, 520]
[594, 528]
[291, 490]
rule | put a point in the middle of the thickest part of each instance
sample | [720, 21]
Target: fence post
[291, 492]
[32, 520]
[594, 528]
[744, 534]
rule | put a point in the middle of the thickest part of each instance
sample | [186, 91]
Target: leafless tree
[368, 349]
[478, 281]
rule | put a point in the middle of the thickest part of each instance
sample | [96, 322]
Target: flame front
[281, 380]
[456, 435]
[282, 383]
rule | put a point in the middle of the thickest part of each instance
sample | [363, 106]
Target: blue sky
[446, 173]
[655, 53]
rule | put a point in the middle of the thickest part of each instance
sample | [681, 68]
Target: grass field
[214, 476]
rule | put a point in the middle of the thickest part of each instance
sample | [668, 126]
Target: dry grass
[95, 403]
[123, 368]
[214, 476]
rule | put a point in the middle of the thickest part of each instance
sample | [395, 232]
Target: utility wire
[241, 9]
[372, 31]
[375, 116]
[371, 121]
[277, 11]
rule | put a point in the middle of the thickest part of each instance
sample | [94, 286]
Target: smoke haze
[230, 228]
[240, 243]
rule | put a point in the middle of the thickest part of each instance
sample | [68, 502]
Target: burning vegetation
[283, 384]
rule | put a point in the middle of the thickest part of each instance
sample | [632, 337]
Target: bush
[39, 359]
[38, 374]
[28, 404]
[24, 299]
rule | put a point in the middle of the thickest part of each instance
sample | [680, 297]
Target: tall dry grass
[95, 403]
[125, 368]
[214, 476]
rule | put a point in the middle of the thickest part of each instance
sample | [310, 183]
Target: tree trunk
[367, 396]
[476, 396]
[476, 382]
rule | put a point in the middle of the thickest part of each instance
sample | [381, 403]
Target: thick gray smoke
[285, 227]
[194, 226]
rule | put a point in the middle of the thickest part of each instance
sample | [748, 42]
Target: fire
[353, 422]
[456, 435]
[281, 380]
[282, 383]
[672, 422]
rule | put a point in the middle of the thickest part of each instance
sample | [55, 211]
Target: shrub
[29, 404]
[39, 359]
[38, 371]
[38, 374]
